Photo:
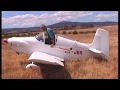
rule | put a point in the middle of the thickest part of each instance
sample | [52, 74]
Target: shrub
[75, 32]
[69, 32]
[64, 32]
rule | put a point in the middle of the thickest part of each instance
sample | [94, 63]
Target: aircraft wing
[45, 58]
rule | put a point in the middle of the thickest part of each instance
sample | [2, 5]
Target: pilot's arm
[53, 42]
[52, 36]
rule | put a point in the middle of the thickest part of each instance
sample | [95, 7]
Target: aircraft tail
[100, 43]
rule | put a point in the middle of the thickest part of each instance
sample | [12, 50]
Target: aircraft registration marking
[78, 52]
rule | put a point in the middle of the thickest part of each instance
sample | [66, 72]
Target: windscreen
[39, 37]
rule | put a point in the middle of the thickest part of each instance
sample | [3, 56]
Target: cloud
[68, 15]
[30, 20]
[27, 20]
[103, 16]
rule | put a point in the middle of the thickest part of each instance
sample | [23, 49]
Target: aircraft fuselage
[64, 48]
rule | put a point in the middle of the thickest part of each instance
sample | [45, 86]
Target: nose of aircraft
[5, 40]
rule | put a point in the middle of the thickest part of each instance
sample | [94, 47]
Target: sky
[22, 19]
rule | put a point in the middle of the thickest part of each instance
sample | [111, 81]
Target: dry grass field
[13, 65]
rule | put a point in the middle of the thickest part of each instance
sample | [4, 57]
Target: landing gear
[31, 65]
[17, 53]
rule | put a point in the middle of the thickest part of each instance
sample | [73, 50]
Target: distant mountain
[58, 25]
[67, 23]
[16, 30]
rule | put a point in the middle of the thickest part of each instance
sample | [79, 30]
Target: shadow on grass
[54, 72]
[100, 59]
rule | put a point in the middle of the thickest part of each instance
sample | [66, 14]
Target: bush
[64, 32]
[93, 31]
[69, 32]
[17, 35]
[81, 32]
[75, 32]
[56, 32]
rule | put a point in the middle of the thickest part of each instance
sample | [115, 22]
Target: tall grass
[13, 65]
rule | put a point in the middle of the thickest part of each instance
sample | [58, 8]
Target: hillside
[58, 25]
[67, 23]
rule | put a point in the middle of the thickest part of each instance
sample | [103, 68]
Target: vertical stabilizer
[101, 42]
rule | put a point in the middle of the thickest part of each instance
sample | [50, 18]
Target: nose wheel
[31, 66]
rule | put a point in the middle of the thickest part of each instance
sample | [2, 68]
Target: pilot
[49, 35]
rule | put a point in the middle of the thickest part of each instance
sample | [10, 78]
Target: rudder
[101, 42]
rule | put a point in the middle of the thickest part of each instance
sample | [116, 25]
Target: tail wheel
[31, 66]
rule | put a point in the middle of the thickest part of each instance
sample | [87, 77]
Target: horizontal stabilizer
[95, 50]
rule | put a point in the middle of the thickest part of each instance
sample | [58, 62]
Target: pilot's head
[43, 27]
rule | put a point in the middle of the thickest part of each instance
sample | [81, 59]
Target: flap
[45, 58]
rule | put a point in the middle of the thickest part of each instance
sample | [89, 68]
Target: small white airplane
[64, 48]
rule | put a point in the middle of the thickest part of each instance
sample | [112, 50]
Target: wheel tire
[31, 66]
